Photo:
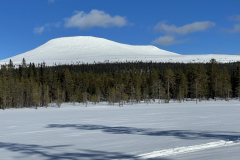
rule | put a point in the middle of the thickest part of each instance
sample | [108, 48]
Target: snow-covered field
[86, 49]
[175, 131]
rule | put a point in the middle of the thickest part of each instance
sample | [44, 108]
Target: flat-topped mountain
[87, 49]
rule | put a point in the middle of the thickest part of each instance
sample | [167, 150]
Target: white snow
[186, 131]
[89, 49]
[188, 149]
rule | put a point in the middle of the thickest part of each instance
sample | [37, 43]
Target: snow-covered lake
[175, 131]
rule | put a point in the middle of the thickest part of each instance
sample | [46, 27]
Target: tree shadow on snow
[182, 134]
[47, 153]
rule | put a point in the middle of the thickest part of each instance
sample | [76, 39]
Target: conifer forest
[38, 85]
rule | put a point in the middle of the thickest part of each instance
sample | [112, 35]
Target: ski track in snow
[188, 149]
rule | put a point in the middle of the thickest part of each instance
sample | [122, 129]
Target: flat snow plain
[175, 131]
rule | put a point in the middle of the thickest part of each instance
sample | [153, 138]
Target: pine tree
[120, 94]
[161, 91]
[132, 95]
[68, 85]
[213, 71]
[202, 80]
[36, 93]
[181, 85]
[111, 96]
[226, 81]
[46, 98]
[85, 98]
[59, 97]
[193, 82]
[146, 95]
[238, 81]
[94, 99]
[169, 81]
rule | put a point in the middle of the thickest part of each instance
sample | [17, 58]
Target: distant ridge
[88, 49]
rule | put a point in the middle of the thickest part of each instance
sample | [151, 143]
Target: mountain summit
[88, 49]
[85, 49]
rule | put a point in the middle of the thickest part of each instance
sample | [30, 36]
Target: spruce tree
[213, 73]
[202, 80]
[238, 80]
[169, 78]
[193, 82]
[226, 81]
[181, 85]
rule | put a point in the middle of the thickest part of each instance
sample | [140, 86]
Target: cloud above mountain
[235, 29]
[234, 18]
[186, 29]
[171, 31]
[38, 30]
[48, 26]
[95, 18]
[167, 40]
[50, 1]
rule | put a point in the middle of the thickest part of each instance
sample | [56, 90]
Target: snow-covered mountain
[91, 49]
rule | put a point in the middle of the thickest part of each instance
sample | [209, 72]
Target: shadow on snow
[182, 134]
[47, 153]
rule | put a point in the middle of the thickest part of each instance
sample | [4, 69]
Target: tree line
[30, 85]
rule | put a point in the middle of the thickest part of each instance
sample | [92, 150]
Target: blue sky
[180, 26]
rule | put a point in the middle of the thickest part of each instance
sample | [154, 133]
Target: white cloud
[234, 18]
[58, 24]
[235, 29]
[186, 29]
[167, 40]
[95, 18]
[51, 1]
[39, 30]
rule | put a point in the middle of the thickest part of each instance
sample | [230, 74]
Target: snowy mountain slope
[86, 49]
[89, 49]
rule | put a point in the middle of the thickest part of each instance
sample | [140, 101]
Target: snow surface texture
[175, 131]
[181, 150]
[70, 50]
